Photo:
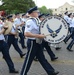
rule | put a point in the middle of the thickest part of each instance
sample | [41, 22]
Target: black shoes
[44, 49]
[35, 59]
[22, 55]
[54, 59]
[69, 50]
[14, 71]
[65, 42]
[54, 73]
[57, 48]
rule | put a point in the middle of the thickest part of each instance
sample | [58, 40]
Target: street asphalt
[64, 64]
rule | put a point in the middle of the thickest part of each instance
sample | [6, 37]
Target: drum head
[55, 28]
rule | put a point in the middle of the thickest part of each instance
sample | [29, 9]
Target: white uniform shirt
[72, 24]
[66, 18]
[70, 21]
[13, 30]
[1, 35]
[17, 21]
[32, 27]
[23, 19]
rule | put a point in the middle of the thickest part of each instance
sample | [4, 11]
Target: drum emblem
[53, 33]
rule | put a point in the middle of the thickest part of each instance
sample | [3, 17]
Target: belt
[1, 40]
[32, 39]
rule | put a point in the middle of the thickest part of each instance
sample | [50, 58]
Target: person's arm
[2, 31]
[28, 34]
[13, 33]
[20, 24]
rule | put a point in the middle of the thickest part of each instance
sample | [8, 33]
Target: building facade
[63, 9]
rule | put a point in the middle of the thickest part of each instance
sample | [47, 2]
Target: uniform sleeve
[28, 26]
[73, 22]
[15, 22]
[14, 25]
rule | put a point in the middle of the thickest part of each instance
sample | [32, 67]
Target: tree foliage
[43, 9]
[13, 6]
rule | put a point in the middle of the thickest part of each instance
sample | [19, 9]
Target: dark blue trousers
[6, 56]
[48, 49]
[35, 49]
[71, 36]
[23, 29]
[22, 40]
[14, 41]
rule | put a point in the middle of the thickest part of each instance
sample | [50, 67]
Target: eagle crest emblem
[53, 33]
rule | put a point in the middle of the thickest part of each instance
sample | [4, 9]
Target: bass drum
[55, 28]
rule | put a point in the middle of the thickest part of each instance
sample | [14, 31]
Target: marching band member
[4, 21]
[18, 24]
[46, 44]
[24, 20]
[56, 46]
[4, 49]
[12, 37]
[66, 17]
[71, 32]
[71, 28]
[23, 17]
[34, 46]
[70, 22]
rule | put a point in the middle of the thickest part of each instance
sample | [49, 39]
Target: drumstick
[47, 35]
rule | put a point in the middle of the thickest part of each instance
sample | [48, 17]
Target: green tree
[43, 9]
[13, 6]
